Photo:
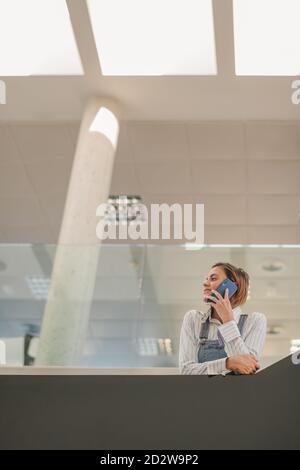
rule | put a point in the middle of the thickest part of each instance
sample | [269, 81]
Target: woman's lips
[206, 291]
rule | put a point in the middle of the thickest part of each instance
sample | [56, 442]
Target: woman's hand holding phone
[222, 306]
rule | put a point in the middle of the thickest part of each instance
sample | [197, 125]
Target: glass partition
[140, 296]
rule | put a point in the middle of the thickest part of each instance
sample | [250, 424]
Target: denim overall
[212, 349]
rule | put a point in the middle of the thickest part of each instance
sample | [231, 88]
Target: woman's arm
[188, 349]
[253, 343]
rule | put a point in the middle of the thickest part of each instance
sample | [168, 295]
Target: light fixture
[194, 246]
[290, 246]
[223, 245]
[238, 245]
[273, 265]
[36, 38]
[124, 209]
[266, 37]
[147, 347]
[154, 346]
[258, 245]
[154, 37]
[39, 286]
[274, 330]
[165, 346]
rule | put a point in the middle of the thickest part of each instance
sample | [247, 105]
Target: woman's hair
[242, 280]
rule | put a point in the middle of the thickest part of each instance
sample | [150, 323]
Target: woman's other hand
[243, 364]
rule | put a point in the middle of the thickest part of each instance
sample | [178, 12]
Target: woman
[224, 339]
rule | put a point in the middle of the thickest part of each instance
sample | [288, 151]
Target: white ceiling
[225, 96]
[263, 157]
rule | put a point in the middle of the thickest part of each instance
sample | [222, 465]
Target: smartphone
[225, 284]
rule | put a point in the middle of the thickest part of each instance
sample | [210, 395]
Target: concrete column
[66, 315]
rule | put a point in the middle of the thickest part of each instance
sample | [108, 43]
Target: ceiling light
[147, 347]
[194, 246]
[266, 37]
[262, 246]
[124, 209]
[154, 346]
[39, 286]
[154, 37]
[223, 245]
[36, 38]
[274, 330]
[273, 266]
[290, 246]
[165, 346]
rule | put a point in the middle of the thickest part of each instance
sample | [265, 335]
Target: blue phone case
[226, 284]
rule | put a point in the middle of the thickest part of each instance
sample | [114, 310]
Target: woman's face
[211, 282]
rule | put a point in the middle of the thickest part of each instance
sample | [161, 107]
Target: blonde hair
[241, 278]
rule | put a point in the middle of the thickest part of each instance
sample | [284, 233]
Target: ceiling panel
[266, 37]
[140, 52]
[36, 38]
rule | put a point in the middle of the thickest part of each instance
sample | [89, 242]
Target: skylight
[36, 38]
[154, 37]
[266, 37]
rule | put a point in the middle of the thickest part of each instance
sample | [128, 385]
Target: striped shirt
[251, 341]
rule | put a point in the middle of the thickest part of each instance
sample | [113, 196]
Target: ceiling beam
[84, 36]
[223, 20]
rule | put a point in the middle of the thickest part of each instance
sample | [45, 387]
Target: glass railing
[140, 295]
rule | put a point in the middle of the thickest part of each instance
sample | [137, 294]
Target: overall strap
[241, 323]
[204, 329]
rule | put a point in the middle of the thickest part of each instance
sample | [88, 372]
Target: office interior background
[207, 116]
